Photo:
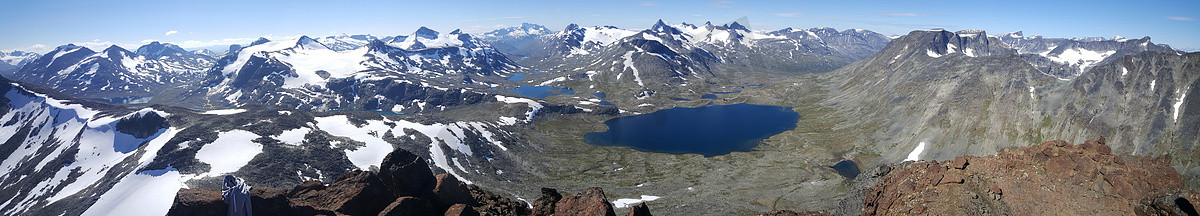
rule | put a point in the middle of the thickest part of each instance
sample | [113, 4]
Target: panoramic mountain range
[97, 132]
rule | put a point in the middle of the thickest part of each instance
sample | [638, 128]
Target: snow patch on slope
[1081, 58]
[293, 136]
[915, 155]
[139, 194]
[627, 202]
[229, 152]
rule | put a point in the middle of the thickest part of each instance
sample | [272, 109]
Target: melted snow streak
[1178, 102]
[915, 155]
[49, 130]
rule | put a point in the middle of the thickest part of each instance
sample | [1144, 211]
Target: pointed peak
[734, 25]
[707, 23]
[114, 48]
[425, 33]
[306, 42]
[304, 38]
[261, 40]
[456, 31]
[661, 26]
[571, 27]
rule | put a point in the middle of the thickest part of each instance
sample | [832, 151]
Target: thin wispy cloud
[720, 4]
[902, 14]
[792, 14]
[647, 3]
[1179, 18]
[171, 32]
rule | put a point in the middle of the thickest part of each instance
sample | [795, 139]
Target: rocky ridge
[407, 182]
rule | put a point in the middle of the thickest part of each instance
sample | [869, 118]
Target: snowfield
[229, 152]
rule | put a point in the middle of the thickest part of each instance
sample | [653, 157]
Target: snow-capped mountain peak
[426, 33]
[155, 50]
[305, 42]
[260, 40]
[425, 38]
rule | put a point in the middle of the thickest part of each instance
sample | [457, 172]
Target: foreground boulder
[408, 206]
[545, 205]
[590, 202]
[406, 174]
[1084, 179]
[355, 193]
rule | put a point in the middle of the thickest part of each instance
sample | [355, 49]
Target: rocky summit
[403, 186]
[1055, 176]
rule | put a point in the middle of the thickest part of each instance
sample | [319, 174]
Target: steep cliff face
[1055, 176]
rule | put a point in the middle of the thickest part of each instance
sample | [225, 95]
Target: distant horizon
[42, 26]
[93, 45]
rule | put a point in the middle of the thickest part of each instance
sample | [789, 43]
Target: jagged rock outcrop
[1083, 179]
[589, 202]
[450, 190]
[545, 204]
[641, 209]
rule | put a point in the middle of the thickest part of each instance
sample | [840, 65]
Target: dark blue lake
[708, 130]
[846, 168]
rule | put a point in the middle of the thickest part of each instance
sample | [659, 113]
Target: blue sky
[42, 25]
